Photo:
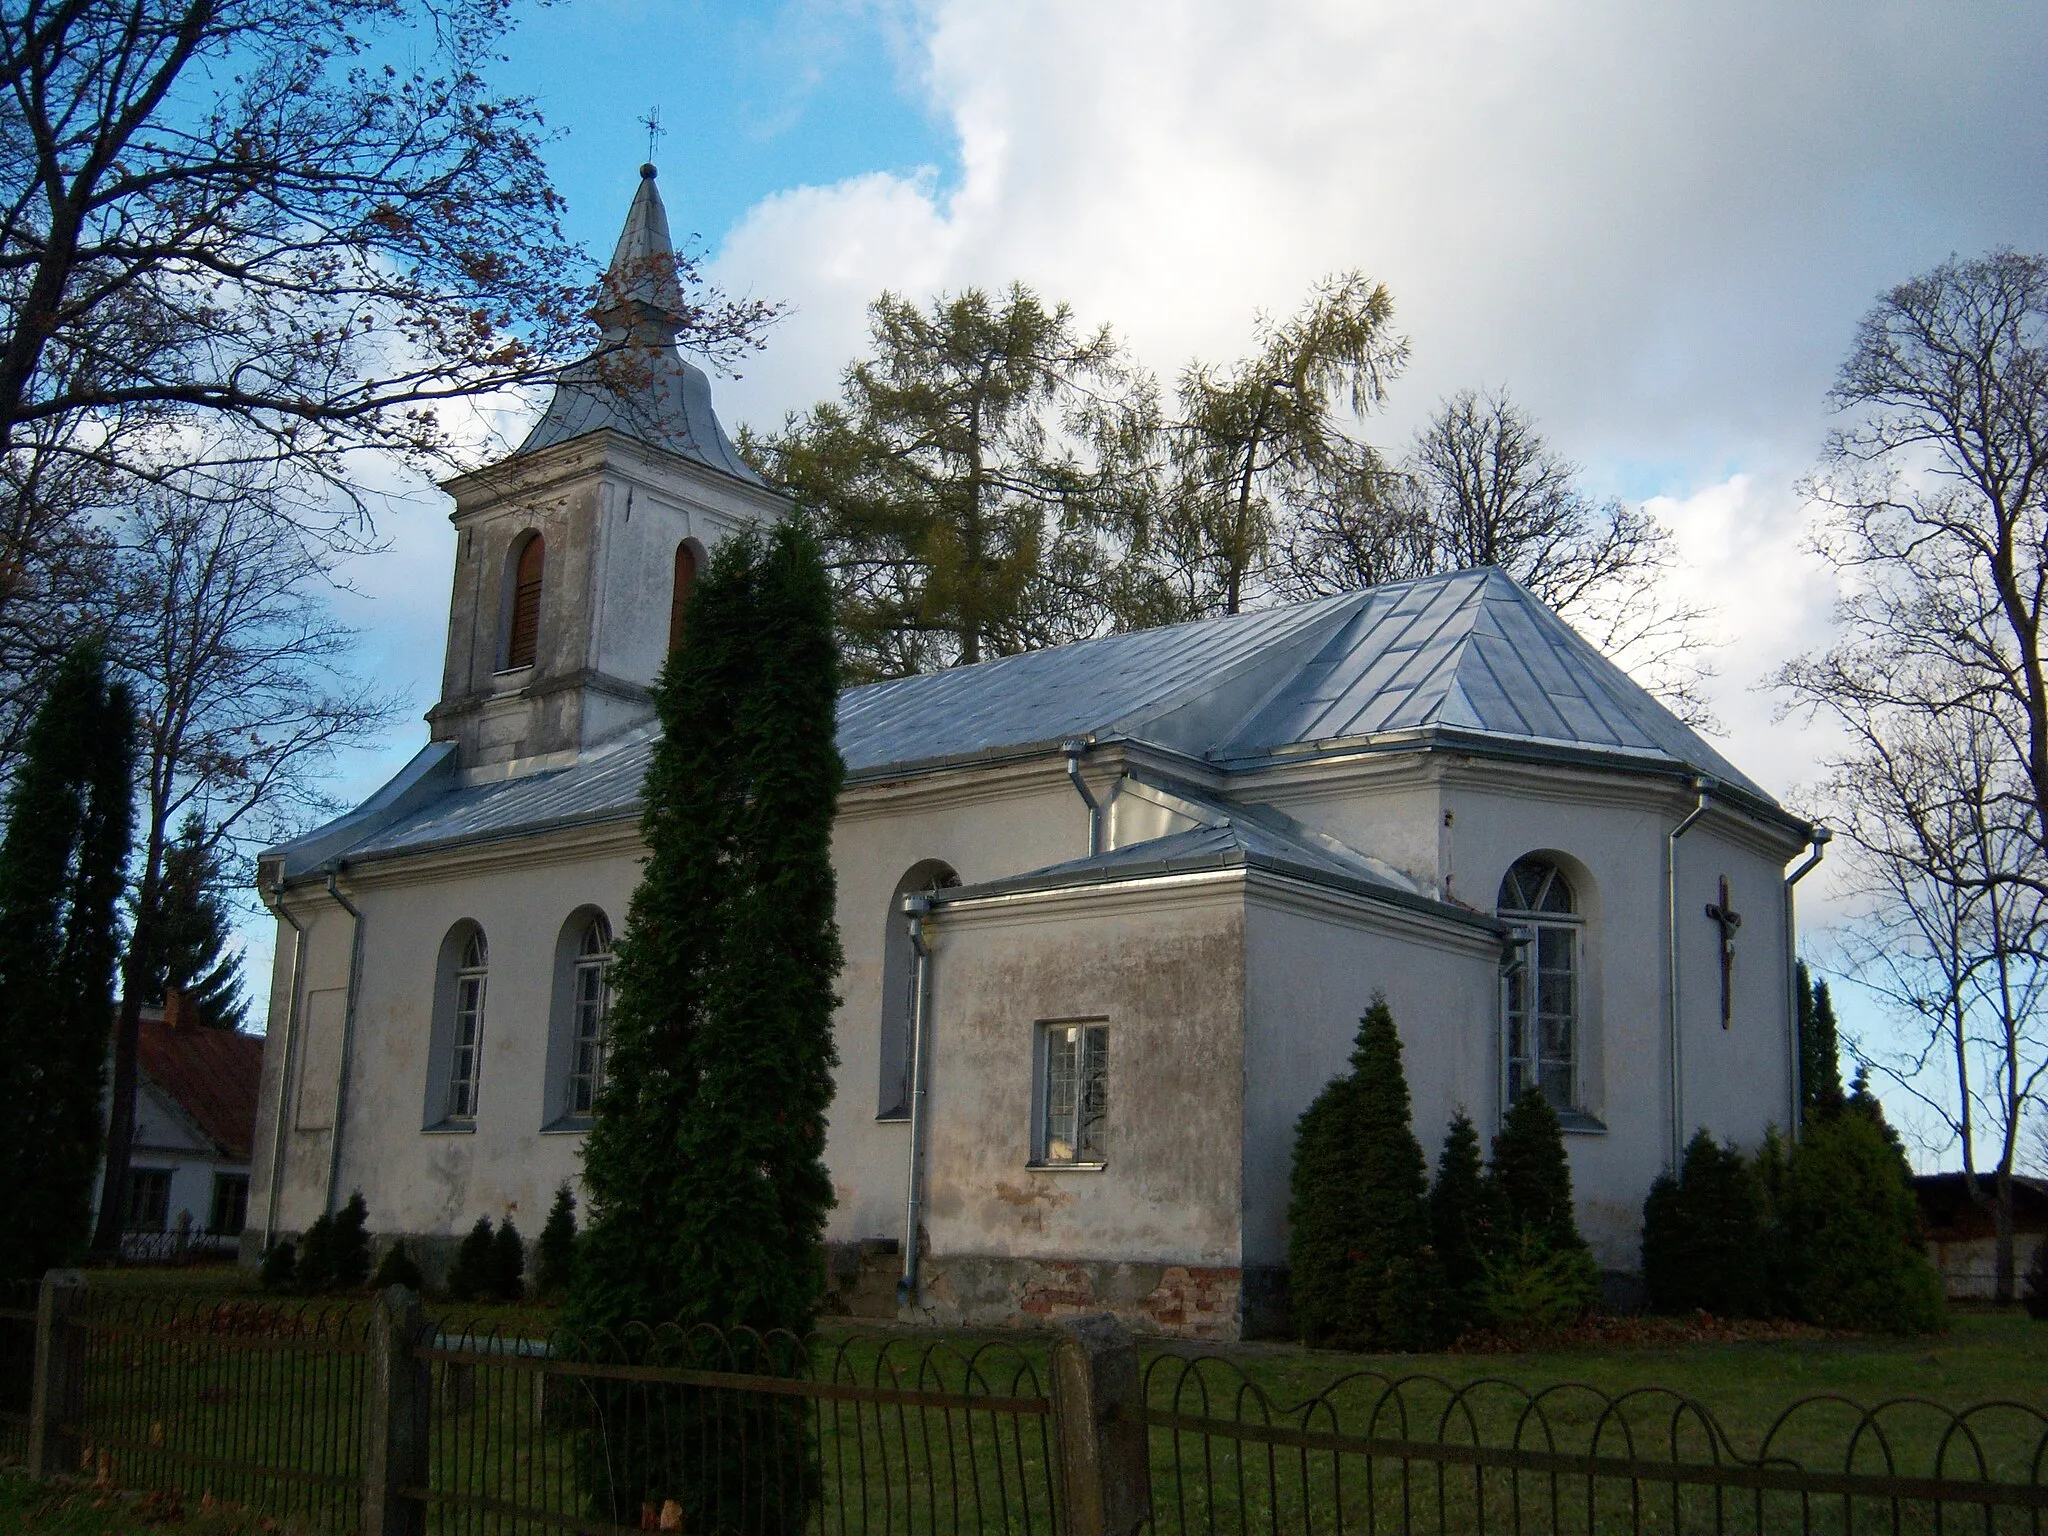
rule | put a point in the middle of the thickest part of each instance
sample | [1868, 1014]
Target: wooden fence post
[57, 1396]
[1098, 1401]
[396, 1458]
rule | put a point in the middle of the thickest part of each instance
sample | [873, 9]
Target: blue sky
[1656, 225]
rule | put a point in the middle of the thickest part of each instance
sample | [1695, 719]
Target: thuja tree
[69, 817]
[1703, 1235]
[1542, 1273]
[704, 1170]
[1465, 1222]
[1364, 1273]
[1820, 1066]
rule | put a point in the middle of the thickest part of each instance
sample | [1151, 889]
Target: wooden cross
[1727, 919]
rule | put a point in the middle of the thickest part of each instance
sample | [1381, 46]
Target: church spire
[642, 297]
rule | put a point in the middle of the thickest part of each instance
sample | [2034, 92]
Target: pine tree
[1703, 1235]
[469, 1277]
[704, 1168]
[554, 1256]
[1463, 1221]
[1361, 1206]
[194, 935]
[507, 1280]
[1820, 1066]
[62, 867]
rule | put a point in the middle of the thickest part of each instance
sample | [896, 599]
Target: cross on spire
[1724, 916]
[652, 123]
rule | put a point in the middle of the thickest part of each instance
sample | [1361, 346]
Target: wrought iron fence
[695, 1430]
[1372, 1452]
[17, 1363]
[257, 1403]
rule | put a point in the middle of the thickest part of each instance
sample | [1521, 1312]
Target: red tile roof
[212, 1074]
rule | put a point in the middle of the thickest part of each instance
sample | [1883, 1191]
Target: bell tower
[574, 554]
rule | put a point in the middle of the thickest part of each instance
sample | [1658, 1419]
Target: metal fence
[17, 1363]
[695, 1430]
[1372, 1452]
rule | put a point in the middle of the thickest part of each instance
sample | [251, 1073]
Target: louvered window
[679, 594]
[524, 634]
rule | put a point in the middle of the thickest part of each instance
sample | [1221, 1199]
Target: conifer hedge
[1703, 1235]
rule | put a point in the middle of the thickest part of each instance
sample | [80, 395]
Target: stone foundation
[1173, 1300]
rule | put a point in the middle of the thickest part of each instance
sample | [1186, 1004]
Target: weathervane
[652, 123]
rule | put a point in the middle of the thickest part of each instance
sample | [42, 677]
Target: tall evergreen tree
[69, 816]
[1703, 1235]
[193, 934]
[1374, 1280]
[1532, 1176]
[1820, 1065]
[705, 1167]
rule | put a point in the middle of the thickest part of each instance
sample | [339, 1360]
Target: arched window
[899, 981]
[522, 627]
[679, 593]
[590, 1001]
[455, 1052]
[1542, 1003]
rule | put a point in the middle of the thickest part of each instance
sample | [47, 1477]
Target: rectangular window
[1542, 1015]
[149, 1199]
[586, 1073]
[230, 1204]
[462, 1065]
[1076, 1093]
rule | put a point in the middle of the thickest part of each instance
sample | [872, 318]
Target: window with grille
[679, 593]
[230, 1204]
[523, 632]
[589, 1003]
[1542, 990]
[1076, 1093]
[149, 1199]
[466, 1038]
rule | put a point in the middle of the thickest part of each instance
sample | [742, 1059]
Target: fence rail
[376, 1417]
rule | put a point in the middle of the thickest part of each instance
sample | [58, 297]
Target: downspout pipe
[348, 1030]
[272, 897]
[1076, 748]
[1820, 840]
[1674, 1049]
[916, 912]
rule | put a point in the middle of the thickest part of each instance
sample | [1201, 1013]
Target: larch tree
[62, 863]
[963, 481]
[1935, 489]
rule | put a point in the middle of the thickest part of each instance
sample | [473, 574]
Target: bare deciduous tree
[1937, 490]
[238, 667]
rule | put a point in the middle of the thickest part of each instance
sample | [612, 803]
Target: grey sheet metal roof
[1469, 658]
[1242, 836]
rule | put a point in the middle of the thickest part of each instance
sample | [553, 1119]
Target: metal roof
[1469, 658]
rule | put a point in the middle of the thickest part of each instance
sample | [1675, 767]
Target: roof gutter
[348, 1031]
[1794, 1046]
[272, 897]
[1674, 1050]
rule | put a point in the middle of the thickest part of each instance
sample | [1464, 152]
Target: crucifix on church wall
[1723, 915]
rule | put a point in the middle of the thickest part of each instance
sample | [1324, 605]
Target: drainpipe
[1075, 748]
[1674, 1050]
[1821, 838]
[273, 898]
[916, 911]
[348, 1030]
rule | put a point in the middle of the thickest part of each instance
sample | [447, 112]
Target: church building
[1111, 911]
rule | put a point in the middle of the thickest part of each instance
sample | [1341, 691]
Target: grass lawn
[81, 1510]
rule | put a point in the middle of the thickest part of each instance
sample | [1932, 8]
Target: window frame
[236, 1187]
[1048, 1093]
[157, 1180]
[461, 995]
[588, 1045]
[519, 645]
[1526, 976]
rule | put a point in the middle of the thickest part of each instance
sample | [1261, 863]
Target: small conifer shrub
[1541, 1274]
[397, 1268]
[1850, 1230]
[507, 1280]
[349, 1245]
[1375, 1279]
[2034, 1290]
[554, 1256]
[315, 1272]
[1703, 1235]
[1463, 1222]
[469, 1277]
[280, 1268]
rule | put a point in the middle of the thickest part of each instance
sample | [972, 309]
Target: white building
[1162, 875]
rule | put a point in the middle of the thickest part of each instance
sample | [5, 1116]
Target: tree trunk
[106, 1235]
[2002, 1224]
